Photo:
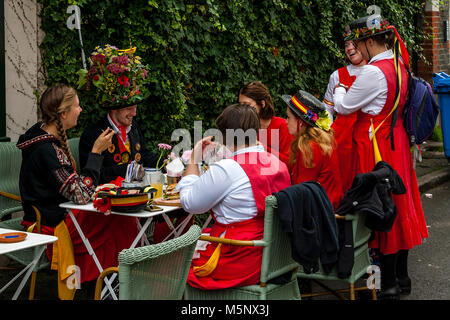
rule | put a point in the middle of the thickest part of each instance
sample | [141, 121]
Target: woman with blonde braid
[48, 175]
[313, 156]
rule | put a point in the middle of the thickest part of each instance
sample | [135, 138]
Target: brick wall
[436, 50]
[444, 46]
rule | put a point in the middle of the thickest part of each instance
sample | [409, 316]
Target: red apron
[409, 227]
[343, 129]
[241, 266]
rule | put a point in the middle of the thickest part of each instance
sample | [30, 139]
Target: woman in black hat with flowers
[312, 155]
[378, 96]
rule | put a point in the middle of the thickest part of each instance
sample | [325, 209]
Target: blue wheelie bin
[441, 86]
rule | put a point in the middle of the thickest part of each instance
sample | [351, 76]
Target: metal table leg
[29, 269]
[91, 252]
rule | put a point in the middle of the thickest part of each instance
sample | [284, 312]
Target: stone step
[432, 144]
[432, 154]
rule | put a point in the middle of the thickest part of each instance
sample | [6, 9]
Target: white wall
[23, 74]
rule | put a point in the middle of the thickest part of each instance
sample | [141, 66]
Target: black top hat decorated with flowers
[373, 25]
[309, 109]
[366, 27]
[117, 75]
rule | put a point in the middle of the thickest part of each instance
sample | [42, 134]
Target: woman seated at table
[234, 189]
[312, 157]
[257, 95]
[47, 174]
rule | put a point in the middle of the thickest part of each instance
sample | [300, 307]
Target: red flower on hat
[122, 80]
[98, 58]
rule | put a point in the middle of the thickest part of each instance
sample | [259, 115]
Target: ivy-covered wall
[202, 51]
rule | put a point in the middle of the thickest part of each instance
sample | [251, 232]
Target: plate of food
[171, 197]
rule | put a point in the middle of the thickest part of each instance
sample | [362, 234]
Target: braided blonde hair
[54, 101]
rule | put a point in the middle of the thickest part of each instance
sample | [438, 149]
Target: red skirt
[343, 130]
[409, 227]
[237, 266]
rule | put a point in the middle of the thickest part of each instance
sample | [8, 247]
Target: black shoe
[404, 285]
[304, 285]
[392, 293]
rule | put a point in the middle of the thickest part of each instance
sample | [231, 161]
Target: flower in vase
[163, 148]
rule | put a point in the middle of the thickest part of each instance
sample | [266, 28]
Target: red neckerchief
[123, 136]
[345, 78]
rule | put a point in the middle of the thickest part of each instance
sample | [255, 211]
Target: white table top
[32, 239]
[141, 214]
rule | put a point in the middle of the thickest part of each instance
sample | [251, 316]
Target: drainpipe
[3, 136]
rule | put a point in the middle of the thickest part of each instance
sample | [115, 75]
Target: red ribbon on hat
[403, 51]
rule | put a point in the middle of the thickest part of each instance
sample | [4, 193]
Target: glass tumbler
[154, 178]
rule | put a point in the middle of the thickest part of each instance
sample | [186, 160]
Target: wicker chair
[10, 161]
[10, 202]
[276, 261]
[361, 235]
[154, 272]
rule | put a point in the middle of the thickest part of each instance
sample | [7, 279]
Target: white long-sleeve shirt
[334, 80]
[368, 92]
[224, 188]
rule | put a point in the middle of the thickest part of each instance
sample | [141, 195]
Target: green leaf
[98, 83]
[82, 73]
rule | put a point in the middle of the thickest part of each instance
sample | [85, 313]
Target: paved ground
[429, 263]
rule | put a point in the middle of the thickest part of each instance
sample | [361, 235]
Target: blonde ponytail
[301, 142]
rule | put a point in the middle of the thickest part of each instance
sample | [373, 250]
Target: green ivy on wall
[202, 51]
